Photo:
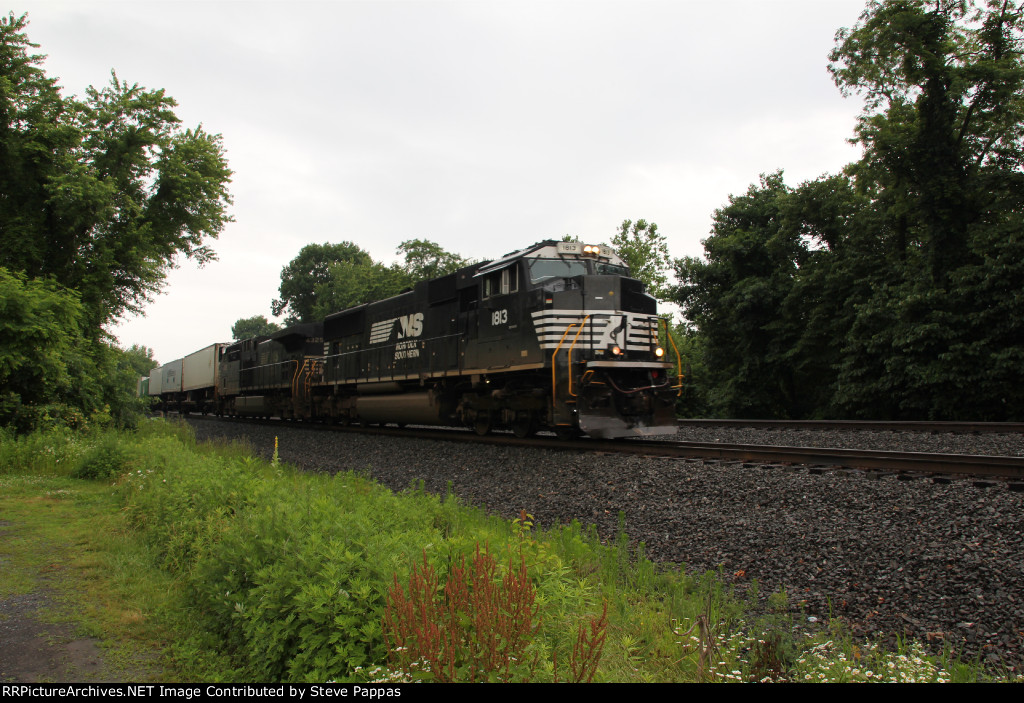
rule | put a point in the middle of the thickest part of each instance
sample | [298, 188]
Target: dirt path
[40, 641]
[35, 651]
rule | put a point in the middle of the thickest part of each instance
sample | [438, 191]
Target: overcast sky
[482, 125]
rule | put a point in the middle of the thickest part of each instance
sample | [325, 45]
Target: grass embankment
[223, 567]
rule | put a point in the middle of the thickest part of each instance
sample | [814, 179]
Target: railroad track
[967, 465]
[882, 425]
[916, 462]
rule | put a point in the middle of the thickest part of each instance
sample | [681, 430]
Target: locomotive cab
[593, 332]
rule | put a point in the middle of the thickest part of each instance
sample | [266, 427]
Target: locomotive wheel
[524, 425]
[482, 423]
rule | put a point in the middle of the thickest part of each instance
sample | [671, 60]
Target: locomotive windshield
[543, 269]
[611, 270]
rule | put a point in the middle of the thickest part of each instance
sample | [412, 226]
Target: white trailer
[200, 368]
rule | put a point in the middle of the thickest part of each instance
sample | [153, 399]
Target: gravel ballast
[938, 562]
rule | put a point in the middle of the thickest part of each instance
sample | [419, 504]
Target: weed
[480, 630]
[586, 652]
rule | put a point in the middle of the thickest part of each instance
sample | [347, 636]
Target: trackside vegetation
[98, 195]
[238, 569]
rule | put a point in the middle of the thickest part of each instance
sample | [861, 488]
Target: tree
[943, 126]
[42, 330]
[140, 360]
[52, 371]
[891, 290]
[943, 167]
[326, 278]
[350, 284]
[734, 297]
[309, 271]
[645, 251]
[101, 193]
[256, 326]
[424, 260]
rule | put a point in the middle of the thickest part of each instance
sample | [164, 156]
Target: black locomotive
[555, 336]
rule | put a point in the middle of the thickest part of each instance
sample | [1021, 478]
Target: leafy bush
[107, 458]
[52, 373]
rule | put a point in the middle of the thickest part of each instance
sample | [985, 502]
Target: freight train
[555, 336]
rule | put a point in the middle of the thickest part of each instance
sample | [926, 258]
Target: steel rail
[921, 462]
[883, 425]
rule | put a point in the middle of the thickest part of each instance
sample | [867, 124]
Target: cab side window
[501, 282]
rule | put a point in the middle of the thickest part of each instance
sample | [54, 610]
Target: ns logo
[408, 326]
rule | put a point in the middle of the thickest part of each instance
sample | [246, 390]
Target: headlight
[659, 352]
[616, 351]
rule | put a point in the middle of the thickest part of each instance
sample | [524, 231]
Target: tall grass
[48, 453]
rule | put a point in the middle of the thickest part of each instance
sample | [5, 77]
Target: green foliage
[41, 329]
[51, 371]
[104, 460]
[140, 359]
[888, 291]
[423, 260]
[326, 278]
[351, 284]
[693, 399]
[943, 155]
[735, 297]
[307, 272]
[292, 573]
[944, 117]
[828, 663]
[101, 192]
[49, 452]
[645, 251]
[256, 326]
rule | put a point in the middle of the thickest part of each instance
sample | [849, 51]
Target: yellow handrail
[573, 346]
[295, 377]
[679, 358]
[554, 365]
[315, 367]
